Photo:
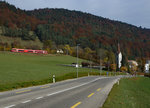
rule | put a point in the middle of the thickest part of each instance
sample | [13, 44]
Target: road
[86, 92]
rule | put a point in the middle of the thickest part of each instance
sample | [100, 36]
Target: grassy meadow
[22, 70]
[131, 93]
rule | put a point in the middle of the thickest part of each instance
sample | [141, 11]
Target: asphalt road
[86, 92]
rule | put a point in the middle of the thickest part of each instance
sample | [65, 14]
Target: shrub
[147, 75]
[85, 64]
[113, 67]
[123, 69]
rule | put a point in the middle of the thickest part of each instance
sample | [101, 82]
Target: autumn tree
[88, 53]
[141, 64]
[68, 49]
[110, 59]
[113, 67]
[123, 69]
[47, 45]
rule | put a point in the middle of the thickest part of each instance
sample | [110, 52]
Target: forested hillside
[62, 27]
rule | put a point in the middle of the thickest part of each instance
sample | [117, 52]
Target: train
[29, 51]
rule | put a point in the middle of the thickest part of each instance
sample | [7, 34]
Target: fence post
[53, 78]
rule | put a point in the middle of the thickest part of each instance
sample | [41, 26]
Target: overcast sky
[135, 12]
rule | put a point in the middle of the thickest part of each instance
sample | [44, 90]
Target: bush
[147, 75]
[124, 69]
[85, 64]
[113, 67]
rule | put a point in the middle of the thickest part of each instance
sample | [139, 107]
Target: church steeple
[118, 48]
[119, 57]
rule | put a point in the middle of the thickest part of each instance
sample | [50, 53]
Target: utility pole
[77, 59]
[90, 63]
[100, 54]
[100, 65]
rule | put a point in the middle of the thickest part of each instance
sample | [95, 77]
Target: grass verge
[130, 93]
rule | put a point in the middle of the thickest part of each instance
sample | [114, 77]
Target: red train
[29, 51]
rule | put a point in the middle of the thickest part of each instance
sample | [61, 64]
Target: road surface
[86, 92]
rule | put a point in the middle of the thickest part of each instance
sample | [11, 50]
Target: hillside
[71, 27]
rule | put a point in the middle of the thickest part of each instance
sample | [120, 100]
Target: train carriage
[29, 51]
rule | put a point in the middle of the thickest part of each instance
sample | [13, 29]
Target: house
[132, 63]
[60, 51]
[147, 66]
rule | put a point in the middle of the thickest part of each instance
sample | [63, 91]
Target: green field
[22, 70]
[131, 93]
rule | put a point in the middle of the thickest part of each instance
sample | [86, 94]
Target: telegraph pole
[77, 59]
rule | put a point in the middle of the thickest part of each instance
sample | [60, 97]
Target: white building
[147, 66]
[60, 51]
[132, 63]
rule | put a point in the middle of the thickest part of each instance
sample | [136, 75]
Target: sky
[135, 12]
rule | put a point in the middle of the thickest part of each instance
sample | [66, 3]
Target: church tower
[119, 58]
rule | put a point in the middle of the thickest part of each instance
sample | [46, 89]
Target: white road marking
[44, 86]
[9, 106]
[39, 97]
[23, 91]
[26, 101]
[74, 87]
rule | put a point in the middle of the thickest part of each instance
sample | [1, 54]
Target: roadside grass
[19, 70]
[130, 93]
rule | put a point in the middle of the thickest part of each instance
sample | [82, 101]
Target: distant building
[132, 63]
[60, 51]
[147, 66]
